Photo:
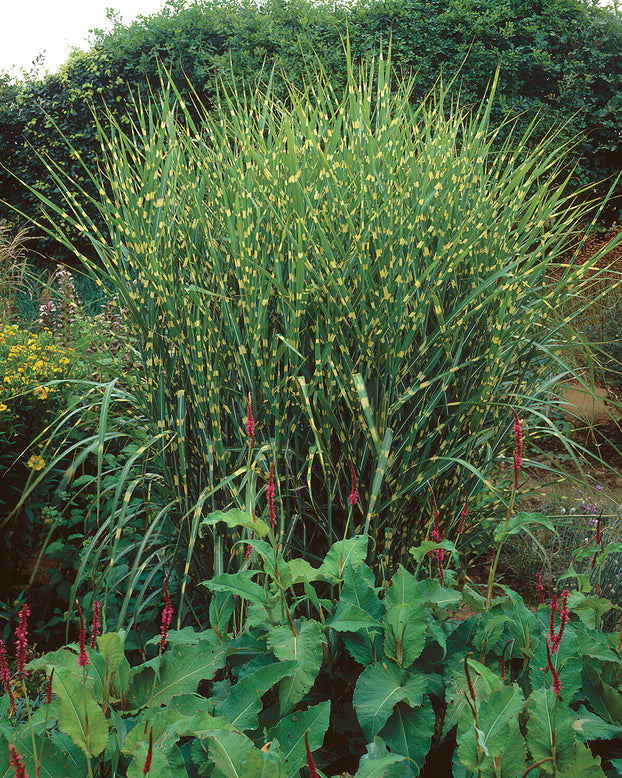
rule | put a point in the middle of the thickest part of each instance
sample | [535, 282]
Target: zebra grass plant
[371, 272]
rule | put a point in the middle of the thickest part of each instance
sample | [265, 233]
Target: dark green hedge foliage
[558, 59]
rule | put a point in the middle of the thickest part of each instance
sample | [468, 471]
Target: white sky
[30, 27]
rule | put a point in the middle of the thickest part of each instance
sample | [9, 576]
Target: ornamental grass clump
[374, 272]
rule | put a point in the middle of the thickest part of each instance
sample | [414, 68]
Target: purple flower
[271, 493]
[354, 495]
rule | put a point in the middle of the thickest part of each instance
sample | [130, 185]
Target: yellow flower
[36, 462]
[3, 407]
[41, 392]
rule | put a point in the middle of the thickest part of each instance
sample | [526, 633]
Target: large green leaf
[605, 700]
[74, 709]
[342, 554]
[305, 648]
[265, 764]
[377, 762]
[519, 522]
[493, 736]
[351, 618]
[584, 765]
[243, 701]
[228, 751]
[408, 732]
[234, 518]
[290, 733]
[359, 589]
[166, 762]
[240, 584]
[181, 670]
[379, 689]
[550, 723]
[110, 646]
[589, 726]
[405, 619]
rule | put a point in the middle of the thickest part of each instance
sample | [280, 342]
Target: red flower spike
[539, 589]
[467, 673]
[250, 422]
[167, 617]
[95, 625]
[463, 516]
[556, 683]
[313, 773]
[5, 679]
[149, 757]
[48, 696]
[564, 618]
[83, 657]
[16, 763]
[554, 608]
[354, 495]
[271, 493]
[21, 639]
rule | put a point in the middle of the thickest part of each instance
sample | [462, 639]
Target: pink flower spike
[5, 679]
[539, 589]
[21, 640]
[250, 422]
[83, 657]
[95, 625]
[271, 493]
[16, 763]
[167, 617]
[354, 495]
[463, 516]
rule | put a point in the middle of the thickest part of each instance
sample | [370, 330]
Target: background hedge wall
[560, 59]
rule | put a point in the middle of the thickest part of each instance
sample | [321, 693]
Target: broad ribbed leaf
[408, 732]
[589, 726]
[73, 712]
[243, 701]
[228, 752]
[181, 670]
[379, 689]
[305, 648]
[584, 766]
[405, 619]
[290, 733]
[234, 518]
[548, 720]
[110, 646]
[240, 584]
[343, 553]
[359, 589]
[495, 714]
[351, 618]
[377, 762]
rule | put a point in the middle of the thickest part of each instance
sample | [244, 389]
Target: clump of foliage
[304, 664]
[368, 276]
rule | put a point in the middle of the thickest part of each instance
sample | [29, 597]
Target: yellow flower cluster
[28, 361]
